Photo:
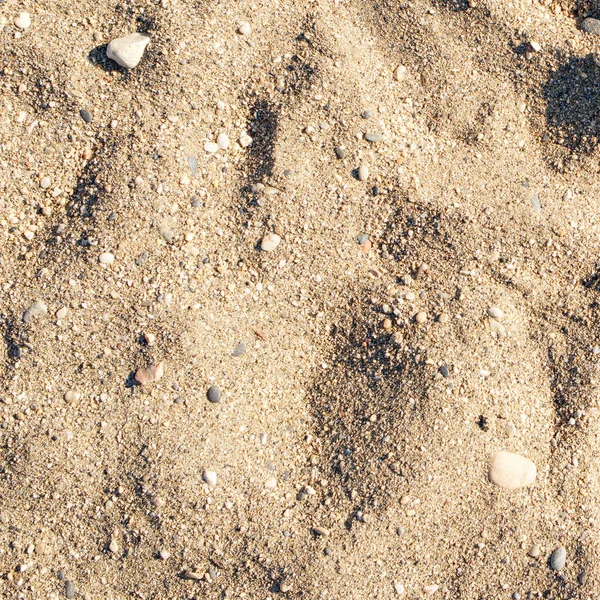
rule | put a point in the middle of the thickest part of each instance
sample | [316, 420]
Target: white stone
[399, 588]
[271, 483]
[535, 46]
[431, 589]
[45, 183]
[211, 147]
[23, 21]
[36, 309]
[61, 313]
[363, 173]
[106, 258]
[146, 375]
[210, 477]
[223, 141]
[244, 29]
[495, 312]
[511, 471]
[270, 242]
[245, 140]
[72, 396]
[400, 73]
[128, 51]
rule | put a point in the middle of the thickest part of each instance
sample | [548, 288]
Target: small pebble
[535, 202]
[128, 50]
[113, 546]
[373, 137]
[362, 239]
[211, 147]
[214, 394]
[270, 242]
[495, 312]
[558, 559]
[164, 554]
[223, 141]
[366, 114]
[72, 396]
[340, 152]
[511, 471]
[399, 588]
[421, 317]
[106, 258]
[431, 589]
[23, 21]
[193, 164]
[399, 72]
[244, 29]
[69, 589]
[444, 371]
[322, 531]
[534, 551]
[535, 46]
[239, 350]
[36, 309]
[271, 483]
[591, 25]
[210, 477]
[86, 115]
[45, 183]
[363, 173]
[146, 375]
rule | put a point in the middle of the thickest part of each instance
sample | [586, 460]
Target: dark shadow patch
[98, 57]
[572, 95]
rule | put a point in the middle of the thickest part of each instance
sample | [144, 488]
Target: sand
[400, 328]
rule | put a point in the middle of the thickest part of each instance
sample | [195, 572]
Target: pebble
[72, 396]
[497, 328]
[535, 46]
[45, 183]
[244, 29]
[431, 589]
[591, 25]
[164, 554]
[363, 173]
[214, 394]
[106, 258]
[511, 471]
[558, 559]
[36, 309]
[245, 140]
[399, 588]
[69, 589]
[421, 317]
[340, 152]
[113, 546]
[223, 141]
[270, 242]
[534, 551]
[399, 72]
[362, 239]
[495, 312]
[444, 371]
[128, 51]
[23, 21]
[193, 164]
[535, 202]
[239, 350]
[210, 477]
[86, 115]
[271, 483]
[322, 531]
[146, 375]
[373, 137]
[211, 147]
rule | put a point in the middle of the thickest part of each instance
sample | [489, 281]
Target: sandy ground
[353, 438]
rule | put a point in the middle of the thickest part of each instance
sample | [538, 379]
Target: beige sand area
[400, 327]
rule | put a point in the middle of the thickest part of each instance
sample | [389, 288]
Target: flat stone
[591, 25]
[211, 147]
[86, 115]
[210, 477]
[535, 202]
[69, 589]
[511, 471]
[363, 173]
[146, 375]
[106, 258]
[322, 531]
[362, 239]
[128, 50]
[239, 350]
[23, 21]
[270, 242]
[497, 328]
[244, 29]
[558, 558]
[36, 309]
[340, 152]
[534, 551]
[373, 137]
[495, 312]
[431, 589]
[214, 394]
[223, 141]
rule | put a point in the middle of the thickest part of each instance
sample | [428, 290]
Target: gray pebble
[373, 137]
[366, 114]
[212, 572]
[340, 152]
[591, 25]
[239, 350]
[86, 115]
[36, 309]
[214, 394]
[444, 371]
[558, 559]
[362, 239]
[535, 202]
[70, 589]
[193, 164]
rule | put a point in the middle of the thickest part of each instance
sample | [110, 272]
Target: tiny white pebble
[223, 141]
[244, 29]
[495, 312]
[535, 46]
[23, 21]
[45, 183]
[400, 72]
[245, 140]
[271, 483]
[211, 147]
[270, 242]
[106, 258]
[210, 477]
[61, 313]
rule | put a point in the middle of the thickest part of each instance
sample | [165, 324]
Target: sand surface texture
[303, 305]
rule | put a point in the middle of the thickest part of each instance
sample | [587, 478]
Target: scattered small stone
[45, 183]
[210, 477]
[340, 152]
[443, 318]
[86, 115]
[431, 589]
[214, 394]
[164, 554]
[245, 140]
[373, 137]
[387, 323]
[61, 313]
[72, 396]
[511, 471]
[421, 317]
[128, 50]
[362, 239]
[591, 25]
[270, 242]
[399, 588]
[535, 202]
[244, 29]
[146, 375]
[497, 328]
[69, 589]
[363, 173]
[23, 21]
[444, 371]
[495, 312]
[534, 551]
[511, 430]
[36, 309]
[558, 559]
[223, 141]
[399, 72]
[535, 46]
[239, 350]
[271, 483]
[322, 531]
[113, 546]
[193, 164]
[106, 258]
[285, 586]
[366, 114]
[211, 147]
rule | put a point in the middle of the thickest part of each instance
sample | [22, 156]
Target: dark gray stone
[86, 115]
[69, 589]
[214, 394]
[340, 152]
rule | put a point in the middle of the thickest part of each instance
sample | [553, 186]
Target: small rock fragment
[86, 115]
[164, 554]
[210, 477]
[534, 551]
[244, 29]
[421, 317]
[223, 141]
[23, 21]
[239, 350]
[128, 50]
[558, 559]
[322, 531]
[591, 25]
[363, 173]
[271, 483]
[214, 394]
[399, 72]
[511, 471]
[72, 396]
[495, 312]
[373, 137]
[431, 589]
[106, 258]
[69, 589]
[36, 309]
[399, 588]
[146, 375]
[270, 242]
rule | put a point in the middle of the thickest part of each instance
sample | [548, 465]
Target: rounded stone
[72, 396]
[213, 394]
[373, 137]
[363, 173]
[69, 589]
[534, 551]
[86, 115]
[362, 239]
[106, 258]
[223, 141]
[495, 312]
[511, 471]
[270, 242]
[23, 21]
[340, 152]
[399, 72]
[558, 558]
[244, 29]
[211, 147]
[128, 50]
[210, 477]
[146, 375]
[421, 317]
[45, 183]
[591, 25]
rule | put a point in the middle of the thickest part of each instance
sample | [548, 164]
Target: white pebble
[245, 140]
[210, 477]
[495, 312]
[271, 483]
[244, 29]
[23, 21]
[400, 73]
[106, 258]
[363, 173]
[211, 147]
[223, 141]
[128, 51]
[61, 313]
[512, 471]
[270, 242]
[45, 183]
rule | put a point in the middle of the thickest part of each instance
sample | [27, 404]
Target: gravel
[213, 394]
